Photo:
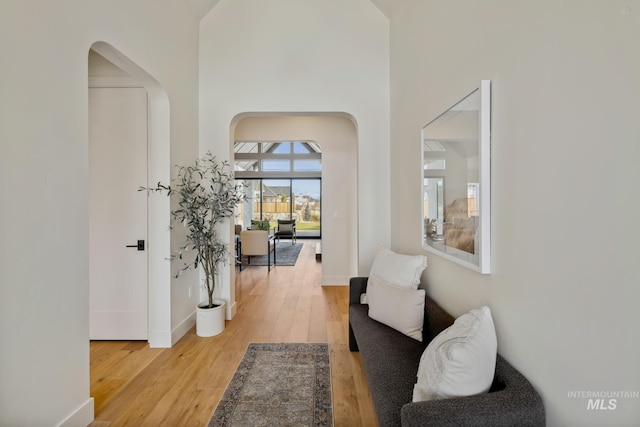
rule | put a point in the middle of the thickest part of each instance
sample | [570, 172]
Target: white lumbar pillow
[397, 269]
[400, 308]
[461, 360]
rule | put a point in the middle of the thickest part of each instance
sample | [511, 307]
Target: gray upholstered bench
[391, 361]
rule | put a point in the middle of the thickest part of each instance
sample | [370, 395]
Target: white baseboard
[160, 339]
[334, 281]
[233, 308]
[184, 327]
[81, 417]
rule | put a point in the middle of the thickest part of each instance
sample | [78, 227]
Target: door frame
[158, 208]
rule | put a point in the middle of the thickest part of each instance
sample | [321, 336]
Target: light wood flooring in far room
[134, 385]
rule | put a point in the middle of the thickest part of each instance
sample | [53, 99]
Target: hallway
[135, 385]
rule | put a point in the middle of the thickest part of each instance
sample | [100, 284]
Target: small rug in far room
[284, 384]
[286, 254]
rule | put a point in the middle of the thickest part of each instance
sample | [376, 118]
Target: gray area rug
[286, 254]
[287, 384]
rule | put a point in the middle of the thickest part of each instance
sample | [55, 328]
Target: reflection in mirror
[455, 182]
[434, 212]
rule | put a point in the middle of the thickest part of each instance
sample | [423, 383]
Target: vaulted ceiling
[202, 7]
[388, 7]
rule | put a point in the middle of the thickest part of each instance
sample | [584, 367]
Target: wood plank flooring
[134, 385]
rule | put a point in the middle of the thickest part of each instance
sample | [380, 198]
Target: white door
[118, 213]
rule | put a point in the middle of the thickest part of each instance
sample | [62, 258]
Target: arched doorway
[337, 134]
[158, 209]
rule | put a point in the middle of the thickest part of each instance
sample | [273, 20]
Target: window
[276, 165]
[307, 165]
[283, 181]
[274, 199]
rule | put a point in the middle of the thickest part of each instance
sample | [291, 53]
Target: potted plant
[206, 195]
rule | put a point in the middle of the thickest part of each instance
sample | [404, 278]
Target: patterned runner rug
[286, 384]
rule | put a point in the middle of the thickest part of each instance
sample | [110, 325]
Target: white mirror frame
[435, 241]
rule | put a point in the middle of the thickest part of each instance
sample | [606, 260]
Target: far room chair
[257, 243]
[286, 229]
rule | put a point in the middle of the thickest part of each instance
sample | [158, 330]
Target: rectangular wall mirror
[456, 182]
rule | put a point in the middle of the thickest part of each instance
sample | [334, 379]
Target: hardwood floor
[134, 385]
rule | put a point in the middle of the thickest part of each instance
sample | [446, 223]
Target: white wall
[292, 56]
[44, 356]
[338, 140]
[564, 182]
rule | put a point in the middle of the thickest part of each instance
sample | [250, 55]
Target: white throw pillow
[398, 270]
[461, 360]
[401, 309]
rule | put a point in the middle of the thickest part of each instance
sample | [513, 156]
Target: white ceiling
[202, 7]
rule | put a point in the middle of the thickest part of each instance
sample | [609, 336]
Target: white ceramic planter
[210, 321]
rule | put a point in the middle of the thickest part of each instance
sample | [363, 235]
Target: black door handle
[140, 245]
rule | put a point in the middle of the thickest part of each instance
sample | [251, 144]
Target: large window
[283, 181]
[277, 157]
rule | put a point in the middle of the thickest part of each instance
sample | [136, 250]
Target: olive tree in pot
[206, 195]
